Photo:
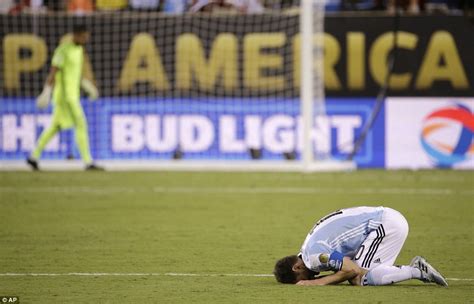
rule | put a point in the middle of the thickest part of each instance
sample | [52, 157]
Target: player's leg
[383, 245]
[81, 134]
[429, 274]
[419, 269]
[61, 119]
[43, 140]
[380, 250]
[386, 275]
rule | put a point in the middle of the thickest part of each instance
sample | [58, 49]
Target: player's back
[68, 58]
[343, 230]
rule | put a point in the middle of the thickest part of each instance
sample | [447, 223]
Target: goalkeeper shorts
[67, 115]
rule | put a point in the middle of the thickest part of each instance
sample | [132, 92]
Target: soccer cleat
[428, 273]
[94, 167]
[33, 163]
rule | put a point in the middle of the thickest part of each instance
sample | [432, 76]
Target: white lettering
[278, 133]
[196, 133]
[18, 136]
[127, 133]
[253, 131]
[161, 137]
[345, 126]
[320, 135]
[228, 141]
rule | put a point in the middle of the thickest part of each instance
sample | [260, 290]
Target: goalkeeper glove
[43, 99]
[90, 89]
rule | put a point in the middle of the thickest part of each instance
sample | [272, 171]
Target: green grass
[214, 223]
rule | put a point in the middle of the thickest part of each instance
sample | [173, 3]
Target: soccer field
[165, 237]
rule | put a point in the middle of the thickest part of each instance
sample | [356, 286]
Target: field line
[152, 274]
[130, 274]
[312, 190]
[237, 190]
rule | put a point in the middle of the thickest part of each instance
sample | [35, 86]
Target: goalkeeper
[64, 83]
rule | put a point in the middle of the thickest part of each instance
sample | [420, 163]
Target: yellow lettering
[15, 64]
[355, 48]
[191, 61]
[143, 64]
[442, 46]
[379, 59]
[255, 61]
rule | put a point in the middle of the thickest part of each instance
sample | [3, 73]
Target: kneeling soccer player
[359, 245]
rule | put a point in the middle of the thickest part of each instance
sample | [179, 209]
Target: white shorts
[382, 246]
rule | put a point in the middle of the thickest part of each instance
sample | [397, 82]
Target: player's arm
[51, 76]
[348, 271]
[43, 99]
[57, 63]
[89, 87]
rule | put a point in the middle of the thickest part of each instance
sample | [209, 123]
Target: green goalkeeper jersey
[68, 58]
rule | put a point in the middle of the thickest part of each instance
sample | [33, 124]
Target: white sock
[385, 275]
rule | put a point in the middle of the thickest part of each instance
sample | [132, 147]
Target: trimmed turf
[217, 223]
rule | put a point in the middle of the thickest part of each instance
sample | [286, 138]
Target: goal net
[221, 89]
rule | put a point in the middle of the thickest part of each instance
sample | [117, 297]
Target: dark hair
[284, 270]
[79, 28]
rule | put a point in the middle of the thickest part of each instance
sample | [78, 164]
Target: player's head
[291, 269]
[80, 34]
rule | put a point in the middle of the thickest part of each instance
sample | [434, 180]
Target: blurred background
[220, 80]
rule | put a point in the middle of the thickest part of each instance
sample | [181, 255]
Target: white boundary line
[187, 165]
[308, 190]
[154, 274]
[131, 274]
[236, 190]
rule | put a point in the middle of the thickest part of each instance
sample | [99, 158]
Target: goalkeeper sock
[44, 139]
[386, 275]
[82, 140]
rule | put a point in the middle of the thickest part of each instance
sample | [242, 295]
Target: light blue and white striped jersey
[343, 231]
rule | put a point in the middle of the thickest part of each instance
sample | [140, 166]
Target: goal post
[308, 81]
[312, 91]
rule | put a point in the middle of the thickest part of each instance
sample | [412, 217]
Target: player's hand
[42, 101]
[90, 89]
[307, 283]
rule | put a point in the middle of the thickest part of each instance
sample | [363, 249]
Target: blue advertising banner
[219, 128]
